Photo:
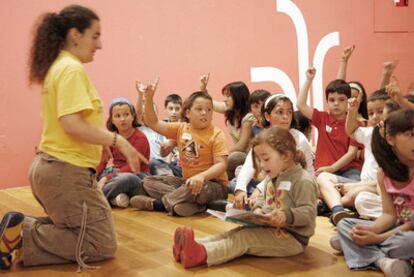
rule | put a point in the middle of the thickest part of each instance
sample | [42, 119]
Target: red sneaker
[178, 243]
[192, 254]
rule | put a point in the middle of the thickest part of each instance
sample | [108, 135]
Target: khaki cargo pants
[79, 225]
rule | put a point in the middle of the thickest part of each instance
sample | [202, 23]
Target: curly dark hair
[50, 35]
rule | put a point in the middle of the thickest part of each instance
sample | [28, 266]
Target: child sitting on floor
[288, 201]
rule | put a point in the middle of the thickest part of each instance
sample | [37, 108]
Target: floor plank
[145, 241]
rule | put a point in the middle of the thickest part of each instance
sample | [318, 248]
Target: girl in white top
[277, 111]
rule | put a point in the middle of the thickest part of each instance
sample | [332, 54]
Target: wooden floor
[145, 240]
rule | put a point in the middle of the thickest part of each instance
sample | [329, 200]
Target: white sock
[394, 267]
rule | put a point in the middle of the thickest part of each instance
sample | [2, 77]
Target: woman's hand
[102, 182]
[195, 184]
[133, 157]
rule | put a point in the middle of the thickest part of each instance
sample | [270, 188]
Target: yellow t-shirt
[198, 148]
[68, 90]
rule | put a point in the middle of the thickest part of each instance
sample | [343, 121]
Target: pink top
[403, 198]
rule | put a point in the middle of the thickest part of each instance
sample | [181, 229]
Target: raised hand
[353, 103]
[310, 73]
[390, 66]
[141, 87]
[347, 52]
[393, 89]
[204, 81]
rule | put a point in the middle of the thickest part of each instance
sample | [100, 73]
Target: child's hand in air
[390, 66]
[147, 89]
[310, 73]
[347, 52]
[204, 81]
[353, 104]
[393, 90]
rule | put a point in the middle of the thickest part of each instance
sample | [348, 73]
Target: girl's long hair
[240, 95]
[397, 122]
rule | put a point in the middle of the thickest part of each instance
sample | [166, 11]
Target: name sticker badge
[328, 129]
[285, 185]
[186, 136]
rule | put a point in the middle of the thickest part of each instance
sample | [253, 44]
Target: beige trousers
[79, 217]
[264, 242]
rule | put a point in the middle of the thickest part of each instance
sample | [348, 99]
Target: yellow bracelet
[114, 141]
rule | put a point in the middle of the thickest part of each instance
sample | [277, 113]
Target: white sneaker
[121, 200]
[335, 243]
[394, 267]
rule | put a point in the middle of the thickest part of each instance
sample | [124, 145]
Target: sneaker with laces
[394, 267]
[121, 200]
[142, 202]
[188, 209]
[336, 217]
[335, 243]
[10, 237]
[192, 254]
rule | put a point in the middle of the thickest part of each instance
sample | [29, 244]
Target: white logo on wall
[276, 75]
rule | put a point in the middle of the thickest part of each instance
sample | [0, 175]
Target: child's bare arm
[387, 73]
[196, 182]
[346, 54]
[303, 94]
[394, 92]
[245, 136]
[351, 117]
[140, 102]
[167, 147]
[341, 162]
[151, 118]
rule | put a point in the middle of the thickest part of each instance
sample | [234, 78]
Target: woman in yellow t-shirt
[79, 225]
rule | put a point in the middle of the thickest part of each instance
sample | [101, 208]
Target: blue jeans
[352, 173]
[161, 167]
[398, 246]
[124, 182]
[251, 186]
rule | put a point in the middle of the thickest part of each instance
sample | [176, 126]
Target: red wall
[179, 40]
